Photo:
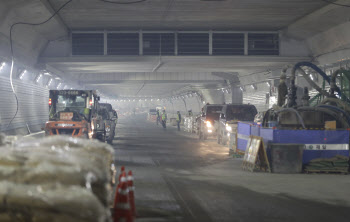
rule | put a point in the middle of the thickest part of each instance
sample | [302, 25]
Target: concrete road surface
[179, 178]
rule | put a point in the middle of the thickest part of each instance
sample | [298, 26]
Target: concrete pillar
[237, 95]
[213, 96]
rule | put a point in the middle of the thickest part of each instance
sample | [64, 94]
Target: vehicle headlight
[229, 128]
[209, 124]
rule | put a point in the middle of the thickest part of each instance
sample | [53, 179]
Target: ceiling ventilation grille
[123, 44]
[193, 44]
[169, 43]
[228, 44]
[87, 44]
[154, 43]
[263, 44]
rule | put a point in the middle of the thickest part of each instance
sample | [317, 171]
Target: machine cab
[235, 112]
[72, 105]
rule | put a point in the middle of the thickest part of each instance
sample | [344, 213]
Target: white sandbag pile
[7, 140]
[56, 179]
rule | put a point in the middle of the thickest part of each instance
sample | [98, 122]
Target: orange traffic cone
[122, 178]
[122, 209]
[122, 169]
[131, 188]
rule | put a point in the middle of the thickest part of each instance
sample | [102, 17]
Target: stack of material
[7, 140]
[336, 164]
[56, 179]
[189, 124]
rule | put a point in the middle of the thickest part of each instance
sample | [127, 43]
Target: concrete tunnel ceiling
[267, 15]
[167, 15]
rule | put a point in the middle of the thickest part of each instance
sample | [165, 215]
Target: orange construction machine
[75, 113]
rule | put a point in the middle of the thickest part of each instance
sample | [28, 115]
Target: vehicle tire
[101, 137]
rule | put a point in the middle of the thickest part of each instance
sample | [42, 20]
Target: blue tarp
[244, 131]
[318, 143]
[311, 136]
[255, 130]
[244, 128]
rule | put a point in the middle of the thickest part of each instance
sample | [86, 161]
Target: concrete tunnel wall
[32, 107]
[28, 43]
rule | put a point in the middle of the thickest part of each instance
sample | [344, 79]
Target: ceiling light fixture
[38, 77]
[22, 74]
[3, 64]
[50, 81]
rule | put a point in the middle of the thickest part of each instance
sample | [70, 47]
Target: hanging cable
[333, 3]
[123, 3]
[143, 85]
[12, 53]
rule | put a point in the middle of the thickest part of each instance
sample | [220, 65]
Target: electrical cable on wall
[12, 53]
[334, 3]
[122, 3]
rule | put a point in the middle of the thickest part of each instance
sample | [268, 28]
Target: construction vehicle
[205, 123]
[75, 113]
[229, 116]
[152, 115]
[110, 118]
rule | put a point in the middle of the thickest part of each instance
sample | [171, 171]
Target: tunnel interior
[213, 73]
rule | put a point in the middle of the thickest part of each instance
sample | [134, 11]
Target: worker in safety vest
[164, 119]
[158, 116]
[178, 120]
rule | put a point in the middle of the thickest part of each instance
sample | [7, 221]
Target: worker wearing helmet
[164, 119]
[178, 120]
